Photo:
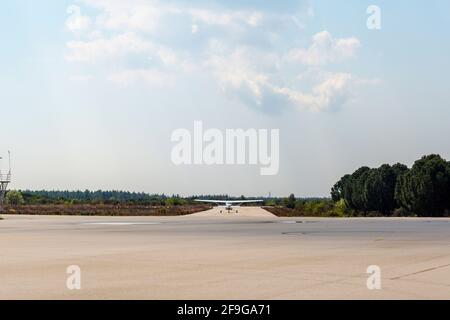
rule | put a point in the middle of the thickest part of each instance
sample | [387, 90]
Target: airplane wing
[212, 201]
[244, 201]
[228, 201]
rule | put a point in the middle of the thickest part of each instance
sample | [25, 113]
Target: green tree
[174, 201]
[337, 191]
[425, 189]
[353, 189]
[290, 201]
[369, 189]
[379, 189]
[14, 198]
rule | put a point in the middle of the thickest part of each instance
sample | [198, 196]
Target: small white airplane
[229, 205]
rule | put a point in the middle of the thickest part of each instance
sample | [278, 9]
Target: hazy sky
[91, 90]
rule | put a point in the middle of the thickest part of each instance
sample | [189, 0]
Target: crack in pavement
[421, 271]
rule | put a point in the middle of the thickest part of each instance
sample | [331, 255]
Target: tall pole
[5, 179]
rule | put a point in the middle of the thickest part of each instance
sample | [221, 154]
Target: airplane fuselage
[228, 205]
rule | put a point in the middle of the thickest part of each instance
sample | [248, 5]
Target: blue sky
[89, 98]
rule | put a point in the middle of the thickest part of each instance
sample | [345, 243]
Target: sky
[91, 90]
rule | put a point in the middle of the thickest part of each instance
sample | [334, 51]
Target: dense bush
[312, 207]
[14, 198]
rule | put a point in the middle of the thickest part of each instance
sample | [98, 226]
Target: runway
[208, 255]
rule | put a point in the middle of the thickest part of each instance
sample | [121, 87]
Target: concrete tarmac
[208, 255]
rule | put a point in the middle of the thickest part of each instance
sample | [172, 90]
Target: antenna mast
[5, 179]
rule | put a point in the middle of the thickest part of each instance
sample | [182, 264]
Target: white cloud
[260, 74]
[76, 22]
[238, 78]
[166, 63]
[151, 77]
[325, 49]
[119, 46]
[131, 15]
[107, 48]
[242, 70]
[331, 93]
[225, 19]
[255, 19]
[235, 76]
[147, 15]
[254, 77]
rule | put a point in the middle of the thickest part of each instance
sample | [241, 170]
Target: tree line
[423, 189]
[33, 197]
[87, 196]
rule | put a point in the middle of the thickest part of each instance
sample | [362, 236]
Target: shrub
[14, 198]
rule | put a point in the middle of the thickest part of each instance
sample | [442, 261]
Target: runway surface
[249, 255]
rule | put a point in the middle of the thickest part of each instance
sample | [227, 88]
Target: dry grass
[282, 211]
[105, 210]
[286, 212]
